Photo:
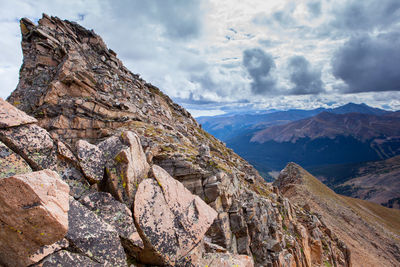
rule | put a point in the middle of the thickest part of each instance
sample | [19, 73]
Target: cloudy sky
[215, 56]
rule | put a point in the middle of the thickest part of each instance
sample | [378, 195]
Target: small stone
[33, 143]
[127, 168]
[226, 260]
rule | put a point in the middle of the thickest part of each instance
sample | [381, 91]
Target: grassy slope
[369, 230]
[370, 212]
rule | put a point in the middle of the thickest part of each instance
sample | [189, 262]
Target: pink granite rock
[170, 219]
[126, 168]
[32, 143]
[11, 116]
[91, 160]
[33, 213]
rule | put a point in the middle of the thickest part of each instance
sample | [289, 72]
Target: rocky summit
[109, 171]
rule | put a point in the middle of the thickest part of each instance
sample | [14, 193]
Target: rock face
[102, 128]
[33, 213]
[185, 218]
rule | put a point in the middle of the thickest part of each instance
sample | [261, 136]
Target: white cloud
[193, 50]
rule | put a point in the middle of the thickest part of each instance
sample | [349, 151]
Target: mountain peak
[291, 174]
[78, 88]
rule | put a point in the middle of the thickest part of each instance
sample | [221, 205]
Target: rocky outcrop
[33, 213]
[102, 128]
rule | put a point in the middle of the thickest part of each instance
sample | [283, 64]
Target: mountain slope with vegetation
[371, 231]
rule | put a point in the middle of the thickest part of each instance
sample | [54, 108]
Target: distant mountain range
[324, 139]
[230, 125]
[348, 147]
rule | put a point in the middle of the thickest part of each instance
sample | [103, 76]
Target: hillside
[377, 181]
[100, 168]
[369, 229]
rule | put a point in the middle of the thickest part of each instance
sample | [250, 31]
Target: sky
[218, 56]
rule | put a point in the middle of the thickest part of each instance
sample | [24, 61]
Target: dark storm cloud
[366, 14]
[306, 79]
[180, 19]
[368, 64]
[259, 65]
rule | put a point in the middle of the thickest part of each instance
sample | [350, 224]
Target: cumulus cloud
[369, 64]
[259, 65]
[307, 80]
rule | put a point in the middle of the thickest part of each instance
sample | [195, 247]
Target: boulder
[10, 116]
[118, 216]
[66, 258]
[33, 213]
[126, 168]
[32, 143]
[93, 237]
[91, 161]
[11, 163]
[170, 219]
